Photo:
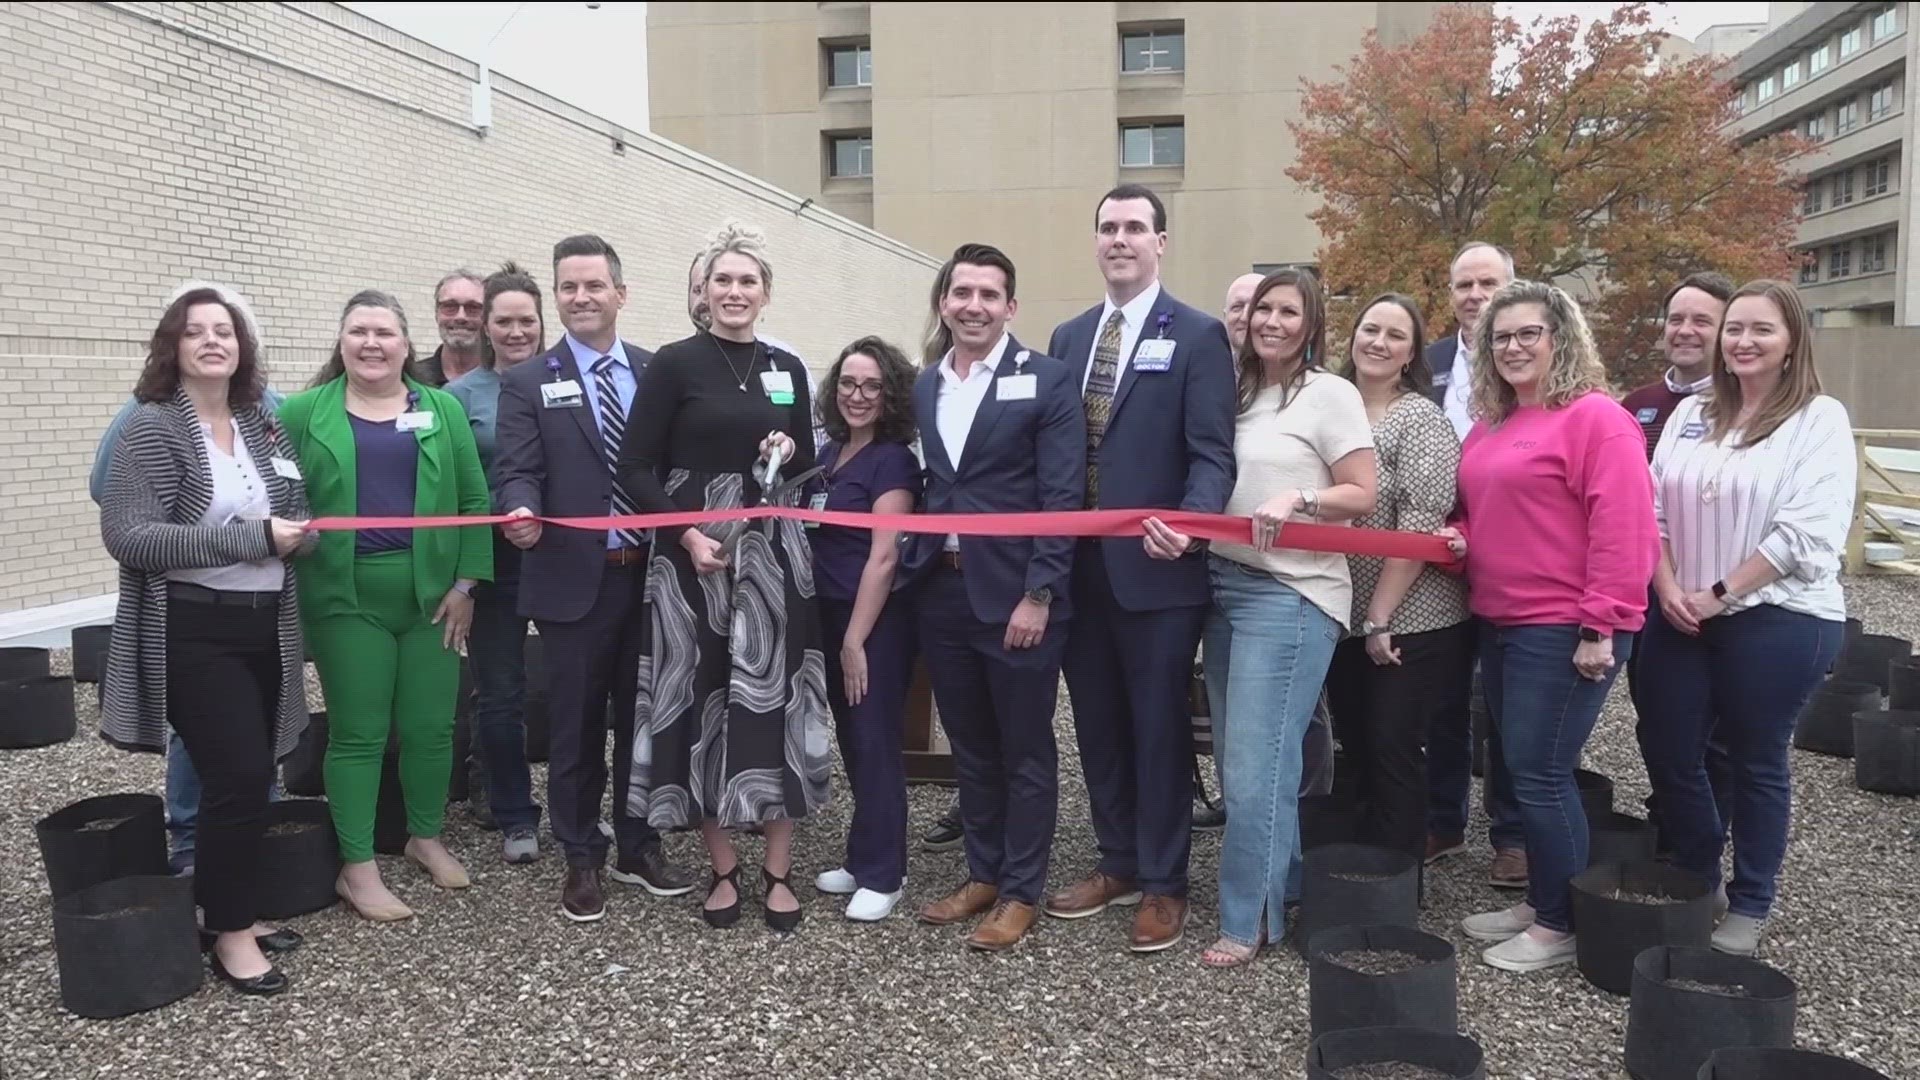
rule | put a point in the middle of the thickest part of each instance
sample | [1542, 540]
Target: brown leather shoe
[1441, 847]
[961, 904]
[581, 898]
[1159, 924]
[1091, 895]
[1509, 869]
[1003, 927]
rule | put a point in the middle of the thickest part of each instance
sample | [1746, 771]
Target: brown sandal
[1226, 953]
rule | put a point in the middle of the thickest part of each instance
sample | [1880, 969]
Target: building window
[850, 65]
[1817, 61]
[1839, 261]
[1873, 254]
[1810, 202]
[1143, 145]
[1879, 177]
[1849, 43]
[1885, 22]
[1156, 50]
[850, 155]
[1790, 76]
[1816, 128]
[1848, 118]
[1843, 188]
[1810, 266]
[1880, 102]
[1766, 88]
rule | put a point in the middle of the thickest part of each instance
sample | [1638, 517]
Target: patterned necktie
[1102, 379]
[613, 429]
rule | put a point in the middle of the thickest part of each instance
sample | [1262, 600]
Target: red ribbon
[1298, 535]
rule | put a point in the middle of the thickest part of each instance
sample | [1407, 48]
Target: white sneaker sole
[636, 879]
[595, 917]
[1126, 900]
[821, 884]
[1530, 966]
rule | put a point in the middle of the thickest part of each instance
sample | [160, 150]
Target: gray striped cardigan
[158, 485]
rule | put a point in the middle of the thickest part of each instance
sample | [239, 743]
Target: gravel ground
[493, 983]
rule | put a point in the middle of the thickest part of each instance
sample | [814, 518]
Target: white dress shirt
[1460, 388]
[238, 495]
[1133, 319]
[1788, 497]
[958, 402]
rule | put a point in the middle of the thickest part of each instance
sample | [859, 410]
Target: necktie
[613, 429]
[1102, 379]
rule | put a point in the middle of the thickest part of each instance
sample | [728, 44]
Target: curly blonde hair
[739, 239]
[1574, 372]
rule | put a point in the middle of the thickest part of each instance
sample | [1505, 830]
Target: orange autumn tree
[1596, 166]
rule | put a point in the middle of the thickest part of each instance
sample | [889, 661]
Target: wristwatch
[1369, 628]
[1719, 590]
[1042, 595]
[1588, 633]
[1310, 502]
[463, 587]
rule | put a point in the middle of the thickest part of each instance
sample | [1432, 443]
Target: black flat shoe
[783, 921]
[282, 940]
[267, 985]
[722, 918]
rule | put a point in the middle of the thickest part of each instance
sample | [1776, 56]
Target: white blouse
[1788, 497]
[238, 495]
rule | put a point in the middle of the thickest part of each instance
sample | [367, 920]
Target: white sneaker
[1738, 935]
[1720, 902]
[1499, 925]
[1523, 953]
[836, 882]
[870, 906]
[606, 829]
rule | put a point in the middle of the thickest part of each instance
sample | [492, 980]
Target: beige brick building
[302, 151]
[940, 123]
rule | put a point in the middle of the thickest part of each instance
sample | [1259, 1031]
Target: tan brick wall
[303, 152]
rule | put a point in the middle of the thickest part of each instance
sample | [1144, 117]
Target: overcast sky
[597, 59]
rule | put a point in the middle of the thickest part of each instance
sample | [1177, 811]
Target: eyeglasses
[455, 307]
[1527, 337]
[852, 388]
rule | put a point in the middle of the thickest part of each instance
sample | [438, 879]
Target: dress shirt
[959, 401]
[1133, 319]
[239, 494]
[624, 384]
[1460, 388]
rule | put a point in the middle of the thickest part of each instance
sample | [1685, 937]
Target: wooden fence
[1886, 489]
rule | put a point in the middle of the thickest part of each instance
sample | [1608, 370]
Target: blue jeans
[1719, 764]
[1753, 671]
[1267, 649]
[497, 655]
[1543, 710]
[183, 803]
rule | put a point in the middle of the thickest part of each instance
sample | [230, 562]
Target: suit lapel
[927, 393]
[583, 415]
[1162, 307]
[991, 407]
[1080, 344]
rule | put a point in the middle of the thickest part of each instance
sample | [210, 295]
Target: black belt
[200, 594]
[950, 560]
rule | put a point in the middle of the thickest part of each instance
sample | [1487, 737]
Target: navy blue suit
[1168, 445]
[588, 610]
[997, 704]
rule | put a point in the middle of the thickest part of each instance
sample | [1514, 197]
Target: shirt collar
[585, 355]
[1687, 389]
[991, 363]
[1134, 311]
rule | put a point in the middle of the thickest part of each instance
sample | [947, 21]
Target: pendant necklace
[753, 358]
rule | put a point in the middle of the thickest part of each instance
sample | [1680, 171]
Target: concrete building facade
[302, 151]
[1841, 75]
[941, 123]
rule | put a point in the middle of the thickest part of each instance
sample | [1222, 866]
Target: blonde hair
[1574, 371]
[1799, 382]
[738, 239]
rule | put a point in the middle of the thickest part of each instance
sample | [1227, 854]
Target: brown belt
[626, 556]
[950, 560]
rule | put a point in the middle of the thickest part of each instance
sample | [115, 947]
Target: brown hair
[1573, 372]
[1416, 377]
[895, 423]
[1799, 382]
[1252, 374]
[939, 338]
[509, 278]
[160, 378]
[336, 365]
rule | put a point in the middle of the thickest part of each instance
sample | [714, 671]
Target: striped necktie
[613, 429]
[1102, 380]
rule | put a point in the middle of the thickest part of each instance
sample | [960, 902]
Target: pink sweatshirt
[1557, 506]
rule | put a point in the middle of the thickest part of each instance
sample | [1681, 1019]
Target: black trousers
[223, 697]
[1381, 715]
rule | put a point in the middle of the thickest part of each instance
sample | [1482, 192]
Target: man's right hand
[521, 534]
[705, 551]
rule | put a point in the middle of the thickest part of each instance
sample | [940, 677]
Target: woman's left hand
[780, 440]
[455, 615]
[1593, 659]
[1703, 605]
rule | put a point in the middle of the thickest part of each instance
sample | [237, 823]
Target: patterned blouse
[1417, 458]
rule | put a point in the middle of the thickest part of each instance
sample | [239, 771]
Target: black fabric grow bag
[1610, 932]
[1775, 1063]
[127, 945]
[1356, 885]
[302, 856]
[304, 771]
[24, 664]
[101, 839]
[1455, 1055]
[1826, 723]
[1619, 838]
[36, 711]
[90, 651]
[1671, 1029]
[1871, 657]
[1423, 996]
[1903, 684]
[1886, 751]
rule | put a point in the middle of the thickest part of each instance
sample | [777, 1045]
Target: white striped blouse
[1789, 498]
